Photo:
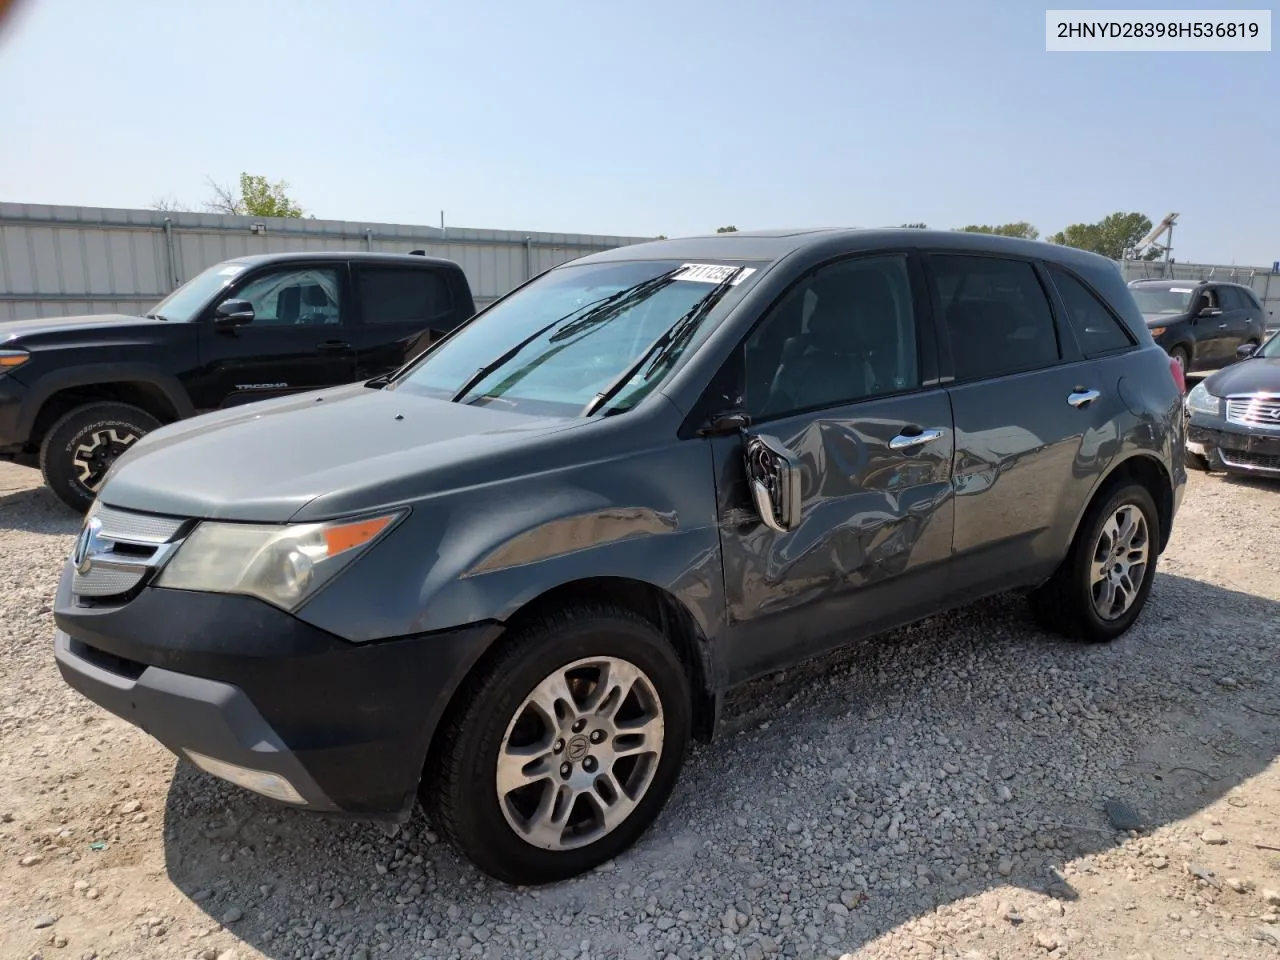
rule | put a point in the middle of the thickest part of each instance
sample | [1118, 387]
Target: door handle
[333, 346]
[1080, 397]
[904, 441]
[1222, 326]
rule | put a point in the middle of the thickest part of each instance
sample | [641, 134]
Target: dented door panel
[874, 522]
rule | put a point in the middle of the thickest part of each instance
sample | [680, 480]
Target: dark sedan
[1235, 416]
[1200, 324]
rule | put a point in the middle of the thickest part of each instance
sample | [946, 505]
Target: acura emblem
[88, 544]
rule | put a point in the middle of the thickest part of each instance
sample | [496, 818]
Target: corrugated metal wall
[1263, 282]
[64, 261]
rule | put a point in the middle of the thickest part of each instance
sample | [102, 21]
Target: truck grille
[1254, 411]
[118, 550]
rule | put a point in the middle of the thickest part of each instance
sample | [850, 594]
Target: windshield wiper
[156, 316]
[674, 336]
[599, 311]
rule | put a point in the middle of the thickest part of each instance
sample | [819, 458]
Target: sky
[640, 119]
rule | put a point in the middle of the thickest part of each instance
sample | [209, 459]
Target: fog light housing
[259, 781]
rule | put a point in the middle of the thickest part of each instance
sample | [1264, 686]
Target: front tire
[1101, 587]
[1182, 358]
[80, 447]
[564, 749]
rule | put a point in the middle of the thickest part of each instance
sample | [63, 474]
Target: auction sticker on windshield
[711, 273]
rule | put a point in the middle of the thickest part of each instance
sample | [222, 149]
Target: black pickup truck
[76, 392]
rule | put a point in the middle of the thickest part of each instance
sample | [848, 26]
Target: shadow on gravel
[36, 510]
[845, 797]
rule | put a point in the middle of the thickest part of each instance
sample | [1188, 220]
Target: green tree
[915, 226]
[1022, 230]
[257, 197]
[726, 229]
[1112, 236]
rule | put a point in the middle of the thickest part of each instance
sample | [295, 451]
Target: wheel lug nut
[579, 725]
[589, 764]
[597, 736]
[559, 746]
[565, 769]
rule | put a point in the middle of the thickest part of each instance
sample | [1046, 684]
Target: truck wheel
[1102, 585]
[564, 749]
[81, 446]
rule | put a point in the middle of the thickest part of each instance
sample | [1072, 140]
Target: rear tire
[80, 447]
[1073, 602]
[501, 815]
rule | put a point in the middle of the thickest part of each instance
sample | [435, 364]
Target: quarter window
[845, 333]
[1094, 325]
[288, 297]
[996, 314]
[390, 295]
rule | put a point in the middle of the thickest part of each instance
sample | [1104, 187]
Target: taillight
[1179, 378]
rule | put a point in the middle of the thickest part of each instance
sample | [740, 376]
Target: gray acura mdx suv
[518, 575]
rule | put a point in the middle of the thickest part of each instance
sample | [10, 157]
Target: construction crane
[1163, 227]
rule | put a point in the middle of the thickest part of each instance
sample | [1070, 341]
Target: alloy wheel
[97, 451]
[580, 753]
[1119, 562]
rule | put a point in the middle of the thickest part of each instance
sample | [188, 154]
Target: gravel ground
[968, 787]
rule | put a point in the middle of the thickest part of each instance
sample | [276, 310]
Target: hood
[18, 332]
[1256, 375]
[342, 450]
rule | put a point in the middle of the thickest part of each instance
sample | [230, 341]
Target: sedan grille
[118, 550]
[1254, 411]
[1249, 461]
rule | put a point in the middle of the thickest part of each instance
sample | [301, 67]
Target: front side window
[1094, 325]
[187, 302]
[996, 314]
[581, 340]
[845, 333]
[1230, 298]
[308, 296]
[399, 295]
[1163, 301]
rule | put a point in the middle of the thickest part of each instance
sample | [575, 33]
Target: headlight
[1200, 400]
[1156, 331]
[12, 359]
[283, 565]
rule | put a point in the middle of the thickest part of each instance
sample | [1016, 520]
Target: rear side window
[1095, 327]
[1230, 298]
[398, 295]
[996, 314]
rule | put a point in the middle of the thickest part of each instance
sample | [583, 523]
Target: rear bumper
[1238, 450]
[234, 679]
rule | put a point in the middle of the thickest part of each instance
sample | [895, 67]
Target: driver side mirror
[1246, 350]
[233, 313]
[773, 475]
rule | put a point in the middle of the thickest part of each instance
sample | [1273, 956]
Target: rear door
[402, 311]
[299, 339]
[1035, 419]
[834, 504]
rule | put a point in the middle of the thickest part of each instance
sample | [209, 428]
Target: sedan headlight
[283, 565]
[1200, 400]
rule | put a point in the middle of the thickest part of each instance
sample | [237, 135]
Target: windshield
[185, 303]
[1171, 300]
[1271, 349]
[595, 338]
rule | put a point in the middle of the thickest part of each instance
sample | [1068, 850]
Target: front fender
[481, 553]
[83, 375]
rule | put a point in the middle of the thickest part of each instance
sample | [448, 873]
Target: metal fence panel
[64, 261]
[1261, 280]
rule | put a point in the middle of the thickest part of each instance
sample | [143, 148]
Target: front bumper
[1237, 449]
[234, 679]
[12, 436]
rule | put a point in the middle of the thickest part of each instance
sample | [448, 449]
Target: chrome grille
[1254, 411]
[118, 549]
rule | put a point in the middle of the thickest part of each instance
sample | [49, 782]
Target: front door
[299, 338]
[834, 504]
